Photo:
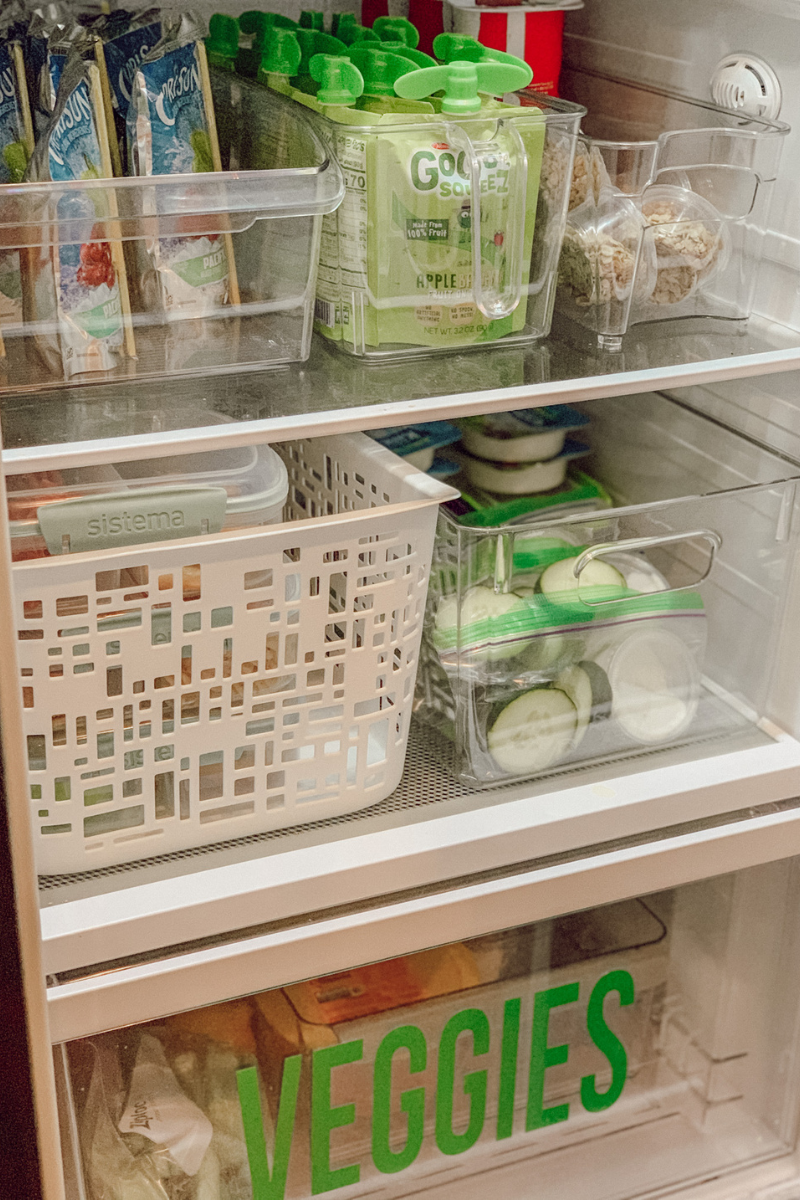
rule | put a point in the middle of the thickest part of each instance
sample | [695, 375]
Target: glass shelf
[101, 421]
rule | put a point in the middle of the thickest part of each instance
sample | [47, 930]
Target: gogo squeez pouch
[169, 133]
[73, 296]
[414, 248]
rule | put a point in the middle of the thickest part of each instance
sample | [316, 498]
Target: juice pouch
[48, 21]
[16, 147]
[126, 38]
[171, 131]
[73, 295]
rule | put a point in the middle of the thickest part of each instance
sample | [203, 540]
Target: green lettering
[431, 177]
[324, 1118]
[266, 1186]
[412, 1101]
[508, 1069]
[544, 1056]
[606, 1041]
[474, 1021]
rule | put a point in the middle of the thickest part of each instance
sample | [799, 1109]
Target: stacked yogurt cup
[520, 453]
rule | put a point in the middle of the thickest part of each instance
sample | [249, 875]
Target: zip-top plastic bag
[172, 131]
[162, 1118]
[528, 667]
[73, 291]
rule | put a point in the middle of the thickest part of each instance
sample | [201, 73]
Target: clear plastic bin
[267, 218]
[386, 289]
[557, 641]
[184, 692]
[668, 206]
[640, 1046]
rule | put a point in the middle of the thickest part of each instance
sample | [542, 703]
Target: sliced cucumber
[588, 688]
[559, 576]
[480, 604]
[533, 732]
[655, 682]
[575, 684]
[543, 651]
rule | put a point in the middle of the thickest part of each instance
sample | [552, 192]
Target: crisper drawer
[554, 643]
[615, 1052]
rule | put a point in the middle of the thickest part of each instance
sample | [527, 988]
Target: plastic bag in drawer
[559, 669]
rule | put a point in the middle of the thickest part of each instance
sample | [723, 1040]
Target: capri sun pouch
[171, 131]
[74, 289]
[436, 230]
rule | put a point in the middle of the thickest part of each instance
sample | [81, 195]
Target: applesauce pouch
[170, 132]
[73, 294]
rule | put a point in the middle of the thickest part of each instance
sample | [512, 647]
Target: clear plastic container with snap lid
[130, 503]
[668, 205]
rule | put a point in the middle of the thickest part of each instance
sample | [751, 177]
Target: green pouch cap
[259, 27]
[340, 82]
[313, 41]
[347, 29]
[311, 18]
[461, 83]
[457, 47]
[396, 29]
[416, 56]
[222, 43]
[282, 53]
[380, 70]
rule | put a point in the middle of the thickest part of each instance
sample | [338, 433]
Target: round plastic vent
[745, 82]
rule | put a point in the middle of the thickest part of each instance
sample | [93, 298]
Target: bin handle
[603, 549]
[492, 302]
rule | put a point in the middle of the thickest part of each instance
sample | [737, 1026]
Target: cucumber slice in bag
[559, 577]
[480, 605]
[589, 690]
[533, 732]
[655, 685]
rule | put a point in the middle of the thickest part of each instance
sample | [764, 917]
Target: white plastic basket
[187, 692]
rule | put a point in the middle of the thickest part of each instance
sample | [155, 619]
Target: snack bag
[74, 293]
[172, 131]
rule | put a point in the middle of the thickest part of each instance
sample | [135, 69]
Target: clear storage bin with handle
[183, 692]
[556, 642]
[668, 207]
[449, 233]
[266, 219]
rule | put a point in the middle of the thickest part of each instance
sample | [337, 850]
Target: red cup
[536, 35]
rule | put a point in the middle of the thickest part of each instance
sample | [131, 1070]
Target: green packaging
[412, 268]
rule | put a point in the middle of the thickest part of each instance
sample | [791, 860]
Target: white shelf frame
[151, 990]
[220, 901]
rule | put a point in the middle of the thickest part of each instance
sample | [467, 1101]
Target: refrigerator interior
[668, 469]
[621, 1051]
